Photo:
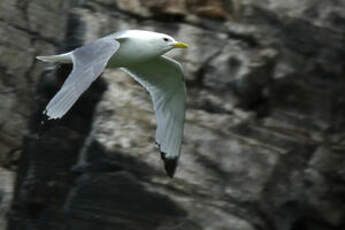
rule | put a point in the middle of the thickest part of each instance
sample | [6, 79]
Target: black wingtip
[169, 165]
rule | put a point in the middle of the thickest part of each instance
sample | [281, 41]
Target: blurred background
[264, 145]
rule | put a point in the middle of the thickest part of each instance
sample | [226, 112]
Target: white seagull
[140, 54]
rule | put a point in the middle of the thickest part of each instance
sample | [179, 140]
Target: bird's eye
[166, 39]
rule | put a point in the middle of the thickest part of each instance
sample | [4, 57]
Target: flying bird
[140, 54]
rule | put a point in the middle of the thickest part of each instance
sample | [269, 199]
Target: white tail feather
[63, 58]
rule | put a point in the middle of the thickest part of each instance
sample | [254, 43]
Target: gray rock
[6, 194]
[263, 145]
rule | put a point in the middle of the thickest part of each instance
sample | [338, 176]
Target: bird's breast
[131, 53]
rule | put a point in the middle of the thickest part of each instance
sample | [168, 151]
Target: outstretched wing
[163, 79]
[89, 62]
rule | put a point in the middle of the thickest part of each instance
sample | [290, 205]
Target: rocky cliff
[264, 143]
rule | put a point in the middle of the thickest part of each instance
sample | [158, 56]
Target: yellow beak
[180, 45]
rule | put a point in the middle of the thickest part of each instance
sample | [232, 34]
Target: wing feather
[163, 79]
[89, 62]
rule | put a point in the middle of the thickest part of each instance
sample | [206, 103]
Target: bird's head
[166, 43]
[152, 43]
[162, 43]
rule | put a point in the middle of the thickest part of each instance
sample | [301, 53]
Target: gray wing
[164, 80]
[89, 62]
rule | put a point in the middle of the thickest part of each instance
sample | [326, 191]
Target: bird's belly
[128, 54]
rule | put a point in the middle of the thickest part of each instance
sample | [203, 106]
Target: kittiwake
[140, 54]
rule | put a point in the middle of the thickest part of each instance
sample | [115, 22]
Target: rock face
[264, 134]
[25, 31]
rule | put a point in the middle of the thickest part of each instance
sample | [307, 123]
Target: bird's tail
[63, 58]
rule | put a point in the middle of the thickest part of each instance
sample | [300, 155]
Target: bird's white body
[135, 50]
[140, 54]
